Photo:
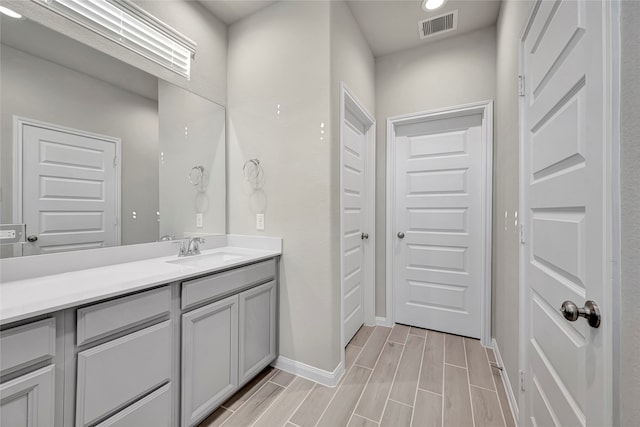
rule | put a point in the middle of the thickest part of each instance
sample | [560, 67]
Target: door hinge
[522, 381]
[115, 161]
[522, 241]
[521, 85]
[115, 221]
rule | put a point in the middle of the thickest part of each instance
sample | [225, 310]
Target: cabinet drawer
[114, 374]
[27, 344]
[100, 320]
[152, 411]
[218, 285]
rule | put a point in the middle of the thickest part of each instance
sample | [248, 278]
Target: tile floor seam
[271, 404]
[429, 391]
[484, 388]
[249, 398]
[415, 393]
[456, 366]
[368, 419]
[282, 395]
[400, 403]
[504, 416]
[353, 411]
[393, 381]
[338, 387]
[466, 361]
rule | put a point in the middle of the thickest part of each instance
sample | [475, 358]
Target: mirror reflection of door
[70, 188]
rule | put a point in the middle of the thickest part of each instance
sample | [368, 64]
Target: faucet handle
[184, 247]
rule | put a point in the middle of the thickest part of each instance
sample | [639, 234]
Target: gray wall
[444, 73]
[41, 90]
[505, 292]
[630, 185]
[280, 57]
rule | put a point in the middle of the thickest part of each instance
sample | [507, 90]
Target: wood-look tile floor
[400, 376]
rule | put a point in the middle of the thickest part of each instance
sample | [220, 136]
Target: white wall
[445, 73]
[352, 63]
[280, 56]
[505, 292]
[191, 134]
[630, 182]
[41, 90]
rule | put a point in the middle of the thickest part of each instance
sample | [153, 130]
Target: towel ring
[252, 171]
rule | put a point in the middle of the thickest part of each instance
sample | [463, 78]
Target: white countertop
[21, 299]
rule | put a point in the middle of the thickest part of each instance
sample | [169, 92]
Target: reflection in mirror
[97, 153]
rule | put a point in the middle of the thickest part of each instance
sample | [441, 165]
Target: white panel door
[439, 211]
[565, 211]
[353, 203]
[68, 191]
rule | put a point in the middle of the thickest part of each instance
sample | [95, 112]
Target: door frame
[18, 125]
[611, 137]
[349, 102]
[486, 109]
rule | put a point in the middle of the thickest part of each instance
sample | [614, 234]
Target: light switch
[199, 220]
[260, 222]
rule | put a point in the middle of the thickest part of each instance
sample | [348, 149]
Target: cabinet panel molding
[29, 400]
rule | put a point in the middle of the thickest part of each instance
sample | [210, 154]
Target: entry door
[354, 128]
[69, 190]
[439, 224]
[565, 210]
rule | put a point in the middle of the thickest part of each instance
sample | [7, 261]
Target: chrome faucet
[190, 246]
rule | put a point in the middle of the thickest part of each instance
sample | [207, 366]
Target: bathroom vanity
[155, 342]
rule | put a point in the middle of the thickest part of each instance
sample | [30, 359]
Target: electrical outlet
[199, 220]
[260, 222]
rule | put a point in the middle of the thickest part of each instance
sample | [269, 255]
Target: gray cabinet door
[209, 358]
[257, 330]
[28, 400]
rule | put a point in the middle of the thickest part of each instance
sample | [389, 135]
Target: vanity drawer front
[100, 320]
[27, 344]
[152, 411]
[218, 285]
[114, 374]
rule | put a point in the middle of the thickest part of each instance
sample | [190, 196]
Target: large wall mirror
[96, 153]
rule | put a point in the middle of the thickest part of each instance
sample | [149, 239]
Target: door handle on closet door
[400, 234]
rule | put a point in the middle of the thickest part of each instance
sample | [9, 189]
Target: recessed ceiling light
[10, 13]
[432, 4]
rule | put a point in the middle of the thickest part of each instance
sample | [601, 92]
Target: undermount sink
[206, 260]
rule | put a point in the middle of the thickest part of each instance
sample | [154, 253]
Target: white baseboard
[513, 402]
[382, 321]
[329, 379]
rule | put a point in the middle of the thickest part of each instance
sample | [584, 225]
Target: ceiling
[230, 11]
[388, 25]
[392, 25]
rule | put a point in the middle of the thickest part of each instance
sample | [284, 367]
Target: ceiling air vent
[438, 24]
